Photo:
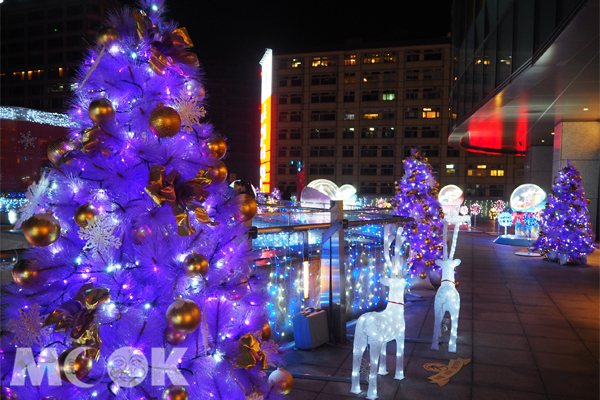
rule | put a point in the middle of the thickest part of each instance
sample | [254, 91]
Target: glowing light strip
[39, 117]
[265, 121]
[305, 278]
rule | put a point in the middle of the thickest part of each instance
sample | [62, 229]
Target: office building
[526, 82]
[352, 116]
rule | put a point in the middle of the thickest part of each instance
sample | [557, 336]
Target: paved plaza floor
[530, 328]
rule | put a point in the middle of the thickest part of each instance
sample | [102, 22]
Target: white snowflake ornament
[34, 195]
[28, 328]
[99, 235]
[189, 110]
[27, 140]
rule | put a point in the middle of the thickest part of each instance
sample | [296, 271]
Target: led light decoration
[447, 298]
[451, 197]
[39, 117]
[323, 191]
[377, 329]
[305, 278]
[505, 219]
[528, 198]
[566, 233]
[453, 218]
[464, 210]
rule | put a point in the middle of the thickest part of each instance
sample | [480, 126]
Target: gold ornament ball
[41, 230]
[164, 121]
[425, 207]
[183, 316]
[281, 381]
[7, 393]
[422, 275]
[456, 283]
[101, 111]
[27, 274]
[429, 263]
[218, 172]
[246, 207]
[173, 337]
[175, 392]
[265, 334]
[412, 178]
[195, 265]
[108, 36]
[79, 365]
[427, 240]
[214, 147]
[415, 229]
[83, 213]
[140, 233]
[57, 148]
[419, 256]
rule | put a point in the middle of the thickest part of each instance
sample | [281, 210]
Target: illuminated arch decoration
[323, 191]
[451, 197]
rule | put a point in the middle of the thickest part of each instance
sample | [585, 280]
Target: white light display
[528, 198]
[377, 329]
[39, 117]
[450, 197]
[453, 218]
[323, 190]
[447, 298]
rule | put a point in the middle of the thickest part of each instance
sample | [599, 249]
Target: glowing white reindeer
[377, 329]
[447, 297]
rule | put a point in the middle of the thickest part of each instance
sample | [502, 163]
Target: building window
[370, 115]
[322, 169]
[431, 151]
[519, 173]
[295, 98]
[476, 172]
[74, 25]
[411, 132]
[368, 133]
[411, 112]
[290, 63]
[496, 172]
[371, 58]
[295, 134]
[348, 115]
[433, 54]
[282, 169]
[348, 151]
[429, 112]
[387, 170]
[324, 79]
[350, 59]
[411, 94]
[407, 151]
[389, 95]
[431, 93]
[496, 190]
[412, 55]
[370, 169]
[323, 115]
[372, 95]
[348, 133]
[372, 76]
[283, 116]
[283, 98]
[386, 188]
[290, 80]
[324, 133]
[368, 188]
[322, 151]
[282, 134]
[349, 77]
[347, 169]
[387, 151]
[432, 74]
[389, 114]
[323, 61]
[430, 132]
[389, 76]
[282, 152]
[475, 190]
[327, 97]
[295, 151]
[451, 169]
[368, 151]
[412, 74]
[389, 57]
[452, 152]
[387, 132]
[348, 97]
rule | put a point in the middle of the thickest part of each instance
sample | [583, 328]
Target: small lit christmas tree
[565, 228]
[139, 247]
[417, 197]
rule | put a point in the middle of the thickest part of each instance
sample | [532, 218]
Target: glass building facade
[495, 39]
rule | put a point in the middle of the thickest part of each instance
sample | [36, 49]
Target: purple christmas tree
[417, 197]
[565, 228]
[140, 265]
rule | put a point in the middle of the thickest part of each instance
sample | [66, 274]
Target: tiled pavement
[531, 328]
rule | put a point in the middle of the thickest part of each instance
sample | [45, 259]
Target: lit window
[481, 166]
[370, 116]
[431, 113]
[296, 62]
[497, 172]
[389, 96]
[350, 59]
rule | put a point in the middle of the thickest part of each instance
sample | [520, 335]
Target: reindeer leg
[454, 330]
[437, 327]
[360, 344]
[382, 360]
[400, 355]
[375, 350]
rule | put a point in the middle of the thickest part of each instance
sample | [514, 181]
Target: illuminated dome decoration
[528, 198]
[451, 197]
[323, 190]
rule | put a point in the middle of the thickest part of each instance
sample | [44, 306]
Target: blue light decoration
[505, 219]
[565, 230]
